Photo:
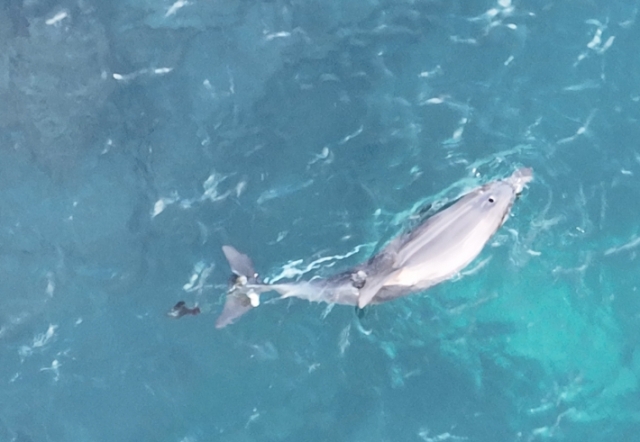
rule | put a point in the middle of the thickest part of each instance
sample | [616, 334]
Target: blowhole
[492, 199]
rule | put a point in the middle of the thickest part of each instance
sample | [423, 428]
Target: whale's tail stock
[245, 288]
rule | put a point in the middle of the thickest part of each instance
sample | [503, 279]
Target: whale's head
[492, 202]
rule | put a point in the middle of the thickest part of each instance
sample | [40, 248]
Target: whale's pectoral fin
[368, 292]
[373, 286]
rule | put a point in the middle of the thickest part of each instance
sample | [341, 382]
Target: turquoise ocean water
[138, 136]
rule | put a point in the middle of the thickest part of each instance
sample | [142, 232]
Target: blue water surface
[139, 136]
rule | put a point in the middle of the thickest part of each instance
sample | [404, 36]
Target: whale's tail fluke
[241, 265]
[236, 305]
[241, 296]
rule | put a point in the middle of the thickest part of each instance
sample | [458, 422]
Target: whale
[434, 251]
